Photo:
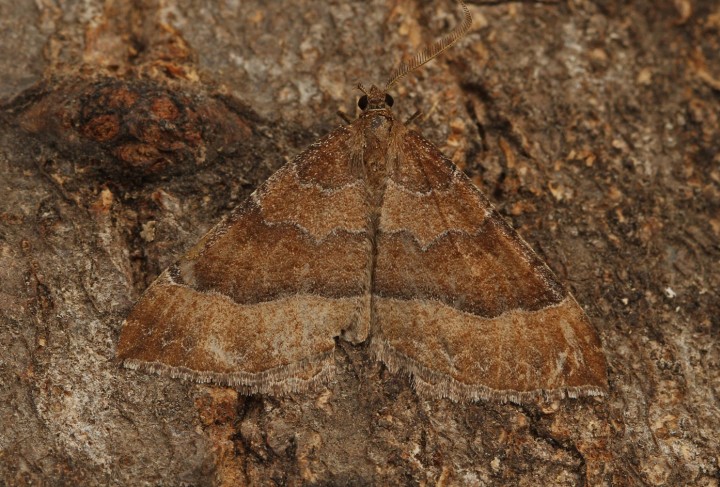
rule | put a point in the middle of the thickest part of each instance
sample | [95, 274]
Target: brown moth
[374, 237]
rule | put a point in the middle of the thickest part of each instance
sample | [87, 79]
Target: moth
[373, 237]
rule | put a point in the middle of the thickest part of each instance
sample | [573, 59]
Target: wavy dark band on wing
[255, 261]
[486, 273]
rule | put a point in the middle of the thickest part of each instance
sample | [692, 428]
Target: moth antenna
[434, 49]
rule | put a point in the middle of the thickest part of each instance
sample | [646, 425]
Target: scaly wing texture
[257, 302]
[461, 301]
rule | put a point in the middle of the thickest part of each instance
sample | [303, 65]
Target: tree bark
[129, 128]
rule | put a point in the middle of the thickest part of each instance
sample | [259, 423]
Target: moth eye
[363, 102]
[389, 100]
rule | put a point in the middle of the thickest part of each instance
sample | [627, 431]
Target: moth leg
[413, 117]
[346, 118]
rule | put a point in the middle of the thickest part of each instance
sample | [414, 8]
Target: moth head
[374, 99]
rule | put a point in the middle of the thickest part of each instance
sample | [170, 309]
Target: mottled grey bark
[128, 129]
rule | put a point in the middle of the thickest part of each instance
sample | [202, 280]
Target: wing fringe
[279, 381]
[432, 384]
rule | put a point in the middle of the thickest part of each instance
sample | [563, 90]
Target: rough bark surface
[127, 129]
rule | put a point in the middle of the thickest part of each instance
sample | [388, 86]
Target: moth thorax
[377, 135]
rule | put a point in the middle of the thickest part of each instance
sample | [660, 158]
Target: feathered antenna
[434, 49]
